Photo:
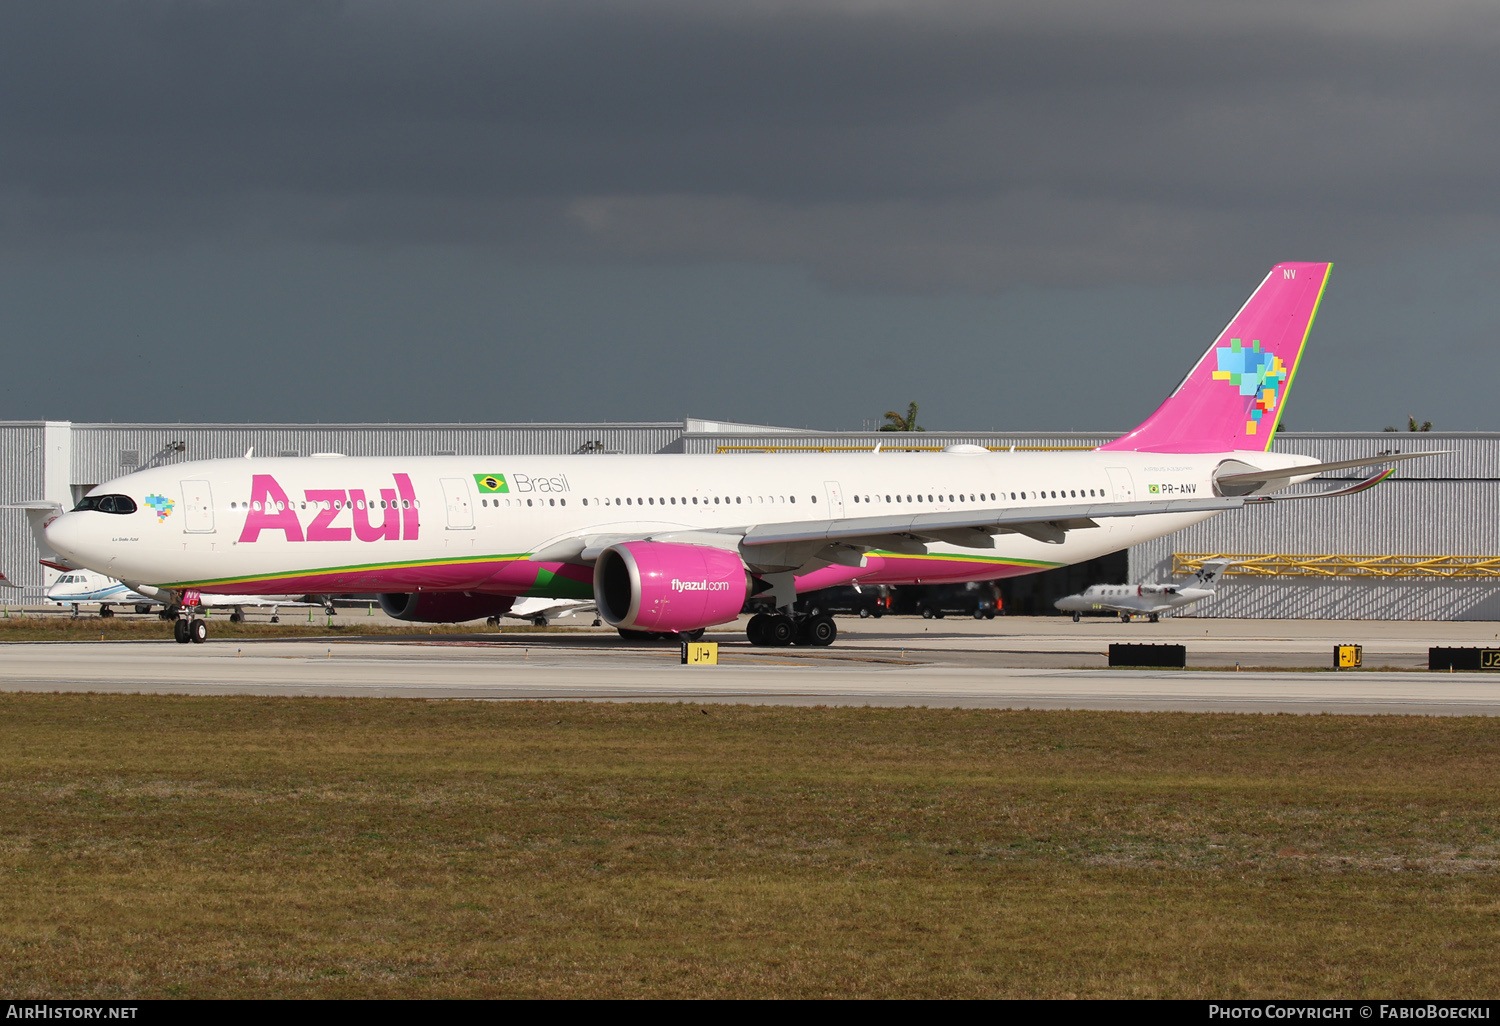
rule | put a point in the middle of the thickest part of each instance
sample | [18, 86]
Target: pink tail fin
[1232, 398]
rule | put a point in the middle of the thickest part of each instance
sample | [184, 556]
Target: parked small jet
[539, 612]
[1145, 599]
[85, 587]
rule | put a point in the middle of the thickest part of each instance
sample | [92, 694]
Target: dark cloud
[921, 145]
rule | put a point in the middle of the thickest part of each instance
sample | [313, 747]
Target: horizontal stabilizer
[40, 513]
[1308, 469]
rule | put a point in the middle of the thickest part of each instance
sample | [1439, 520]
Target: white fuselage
[456, 523]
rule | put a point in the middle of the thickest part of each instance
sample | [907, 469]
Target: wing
[976, 528]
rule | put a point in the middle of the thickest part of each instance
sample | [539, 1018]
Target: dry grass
[270, 847]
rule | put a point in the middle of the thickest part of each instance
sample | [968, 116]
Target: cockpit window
[106, 503]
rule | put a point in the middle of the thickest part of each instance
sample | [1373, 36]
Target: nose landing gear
[185, 631]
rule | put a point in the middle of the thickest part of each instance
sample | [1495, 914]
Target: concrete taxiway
[1042, 663]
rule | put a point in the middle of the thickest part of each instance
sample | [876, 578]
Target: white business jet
[673, 544]
[1150, 600]
[85, 587]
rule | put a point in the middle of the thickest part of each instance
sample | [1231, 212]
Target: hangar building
[1422, 545]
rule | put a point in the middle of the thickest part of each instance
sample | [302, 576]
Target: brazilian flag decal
[489, 484]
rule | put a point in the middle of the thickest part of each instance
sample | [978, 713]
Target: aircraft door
[197, 507]
[835, 498]
[1121, 484]
[460, 507]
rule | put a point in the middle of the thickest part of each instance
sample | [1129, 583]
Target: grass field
[156, 846]
[17, 627]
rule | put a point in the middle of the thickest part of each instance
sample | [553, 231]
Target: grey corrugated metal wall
[1443, 505]
[21, 460]
[710, 443]
[98, 448]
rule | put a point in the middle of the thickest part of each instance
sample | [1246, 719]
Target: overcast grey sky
[1021, 215]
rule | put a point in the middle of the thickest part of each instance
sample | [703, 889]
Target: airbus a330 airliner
[671, 544]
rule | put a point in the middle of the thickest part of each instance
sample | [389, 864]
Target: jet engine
[666, 586]
[443, 606]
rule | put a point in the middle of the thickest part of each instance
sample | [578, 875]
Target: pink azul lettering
[271, 510]
[328, 502]
[364, 529]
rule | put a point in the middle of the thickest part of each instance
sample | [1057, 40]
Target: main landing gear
[187, 630]
[775, 630]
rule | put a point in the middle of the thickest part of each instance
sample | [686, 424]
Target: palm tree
[895, 422]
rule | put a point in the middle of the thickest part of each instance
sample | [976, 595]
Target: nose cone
[77, 538]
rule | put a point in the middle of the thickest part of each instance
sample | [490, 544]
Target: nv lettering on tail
[1232, 398]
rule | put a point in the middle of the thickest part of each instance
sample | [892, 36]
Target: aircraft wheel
[166, 614]
[755, 630]
[538, 621]
[1124, 617]
[197, 631]
[180, 632]
[106, 612]
[782, 630]
[1155, 618]
[817, 631]
[236, 617]
[492, 621]
[143, 608]
[1076, 617]
[692, 635]
[275, 618]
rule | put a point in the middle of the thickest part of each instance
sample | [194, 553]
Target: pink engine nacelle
[664, 586]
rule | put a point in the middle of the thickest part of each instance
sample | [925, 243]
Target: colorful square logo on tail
[491, 484]
[1252, 372]
[161, 506]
